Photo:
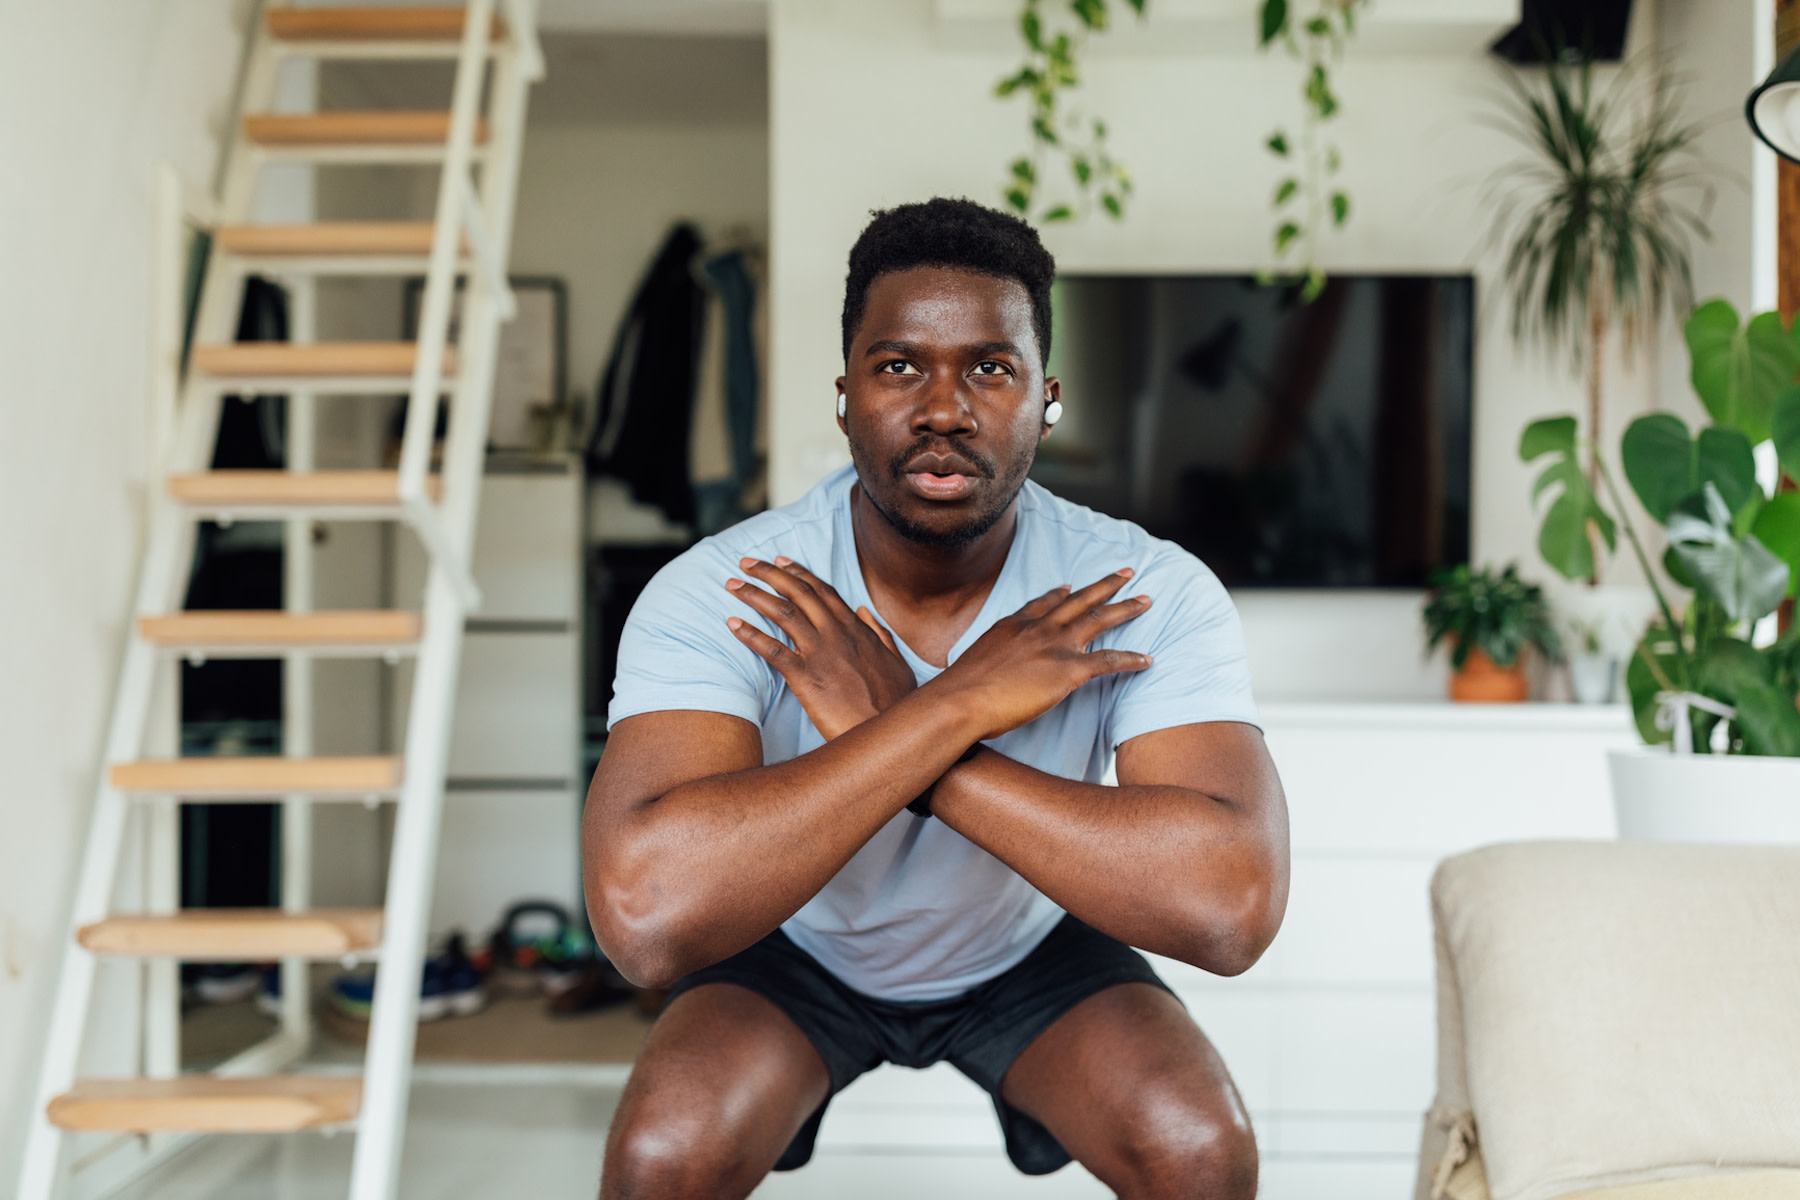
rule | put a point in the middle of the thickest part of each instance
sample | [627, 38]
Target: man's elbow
[1238, 927]
[635, 933]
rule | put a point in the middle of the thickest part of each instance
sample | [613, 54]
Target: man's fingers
[825, 591]
[1110, 616]
[784, 612]
[887, 639]
[1113, 662]
[1093, 595]
[1034, 609]
[764, 646]
[790, 587]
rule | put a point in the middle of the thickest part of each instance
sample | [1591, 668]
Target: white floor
[544, 1140]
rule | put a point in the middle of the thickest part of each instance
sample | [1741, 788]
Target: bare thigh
[723, 1084]
[1134, 1091]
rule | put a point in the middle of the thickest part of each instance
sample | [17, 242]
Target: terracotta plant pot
[1482, 681]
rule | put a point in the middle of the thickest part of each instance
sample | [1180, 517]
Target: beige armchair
[1616, 1020]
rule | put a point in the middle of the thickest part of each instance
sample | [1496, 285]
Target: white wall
[873, 105]
[95, 94]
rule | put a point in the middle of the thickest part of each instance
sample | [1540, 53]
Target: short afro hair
[955, 233]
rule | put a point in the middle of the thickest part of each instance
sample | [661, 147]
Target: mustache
[965, 459]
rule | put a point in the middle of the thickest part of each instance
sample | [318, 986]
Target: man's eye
[991, 368]
[899, 367]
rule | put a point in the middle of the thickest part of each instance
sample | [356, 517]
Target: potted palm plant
[1592, 222]
[1489, 619]
[1700, 682]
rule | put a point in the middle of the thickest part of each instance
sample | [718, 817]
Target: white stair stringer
[470, 234]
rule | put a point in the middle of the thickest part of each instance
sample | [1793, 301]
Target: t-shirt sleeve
[1202, 668]
[676, 651]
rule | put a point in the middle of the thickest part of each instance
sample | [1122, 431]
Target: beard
[978, 521]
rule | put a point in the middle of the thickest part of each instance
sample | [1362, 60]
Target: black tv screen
[1286, 444]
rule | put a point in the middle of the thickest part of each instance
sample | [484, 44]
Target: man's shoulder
[1095, 543]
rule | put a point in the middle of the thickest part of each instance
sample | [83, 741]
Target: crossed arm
[694, 849]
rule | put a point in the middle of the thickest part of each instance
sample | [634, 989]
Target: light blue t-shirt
[920, 912]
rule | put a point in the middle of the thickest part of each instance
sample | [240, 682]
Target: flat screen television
[1287, 444]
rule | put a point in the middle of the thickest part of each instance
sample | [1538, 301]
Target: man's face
[946, 395]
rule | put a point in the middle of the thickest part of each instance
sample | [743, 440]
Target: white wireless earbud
[842, 405]
[1053, 412]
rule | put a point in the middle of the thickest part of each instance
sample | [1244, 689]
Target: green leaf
[1318, 93]
[1022, 169]
[1044, 132]
[1137, 6]
[1314, 285]
[1784, 427]
[1340, 208]
[1284, 191]
[1723, 458]
[1032, 28]
[1778, 527]
[1115, 208]
[1278, 145]
[1739, 371]
[1642, 684]
[1084, 170]
[1679, 573]
[1319, 27]
[1018, 199]
[1333, 161]
[1091, 12]
[1285, 235]
[1658, 457]
[1741, 575]
[1274, 19]
[1552, 435]
[1061, 212]
[1767, 721]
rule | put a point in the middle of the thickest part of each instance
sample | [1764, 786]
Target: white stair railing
[480, 217]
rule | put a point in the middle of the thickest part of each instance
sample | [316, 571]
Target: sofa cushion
[1630, 1012]
[1469, 1183]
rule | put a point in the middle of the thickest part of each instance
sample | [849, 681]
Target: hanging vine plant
[1306, 198]
[1062, 138]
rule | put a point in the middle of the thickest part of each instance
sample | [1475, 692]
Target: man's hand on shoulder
[1028, 663]
[843, 668]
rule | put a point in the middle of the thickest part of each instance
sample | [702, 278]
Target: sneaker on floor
[451, 987]
[226, 983]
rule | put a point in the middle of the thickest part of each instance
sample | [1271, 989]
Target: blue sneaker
[451, 986]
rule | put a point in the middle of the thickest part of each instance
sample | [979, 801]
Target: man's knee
[1177, 1147]
[669, 1154]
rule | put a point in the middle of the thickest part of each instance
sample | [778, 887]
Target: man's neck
[928, 595]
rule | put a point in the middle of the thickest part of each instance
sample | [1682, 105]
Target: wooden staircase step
[264, 775]
[209, 1104]
[395, 128]
[239, 629]
[370, 24]
[252, 360]
[236, 934]
[275, 489]
[411, 238]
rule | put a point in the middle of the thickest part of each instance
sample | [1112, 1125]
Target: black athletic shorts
[980, 1032]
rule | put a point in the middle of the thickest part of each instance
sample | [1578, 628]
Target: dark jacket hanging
[646, 394]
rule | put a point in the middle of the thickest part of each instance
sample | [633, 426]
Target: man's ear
[843, 390]
[1052, 395]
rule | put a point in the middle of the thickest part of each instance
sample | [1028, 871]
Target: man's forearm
[1167, 869]
[688, 878]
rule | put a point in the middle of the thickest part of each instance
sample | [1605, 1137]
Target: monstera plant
[1733, 549]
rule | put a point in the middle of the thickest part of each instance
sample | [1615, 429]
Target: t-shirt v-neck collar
[997, 604]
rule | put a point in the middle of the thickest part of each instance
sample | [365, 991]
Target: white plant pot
[1664, 797]
[1591, 677]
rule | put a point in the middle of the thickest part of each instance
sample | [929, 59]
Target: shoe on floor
[451, 987]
